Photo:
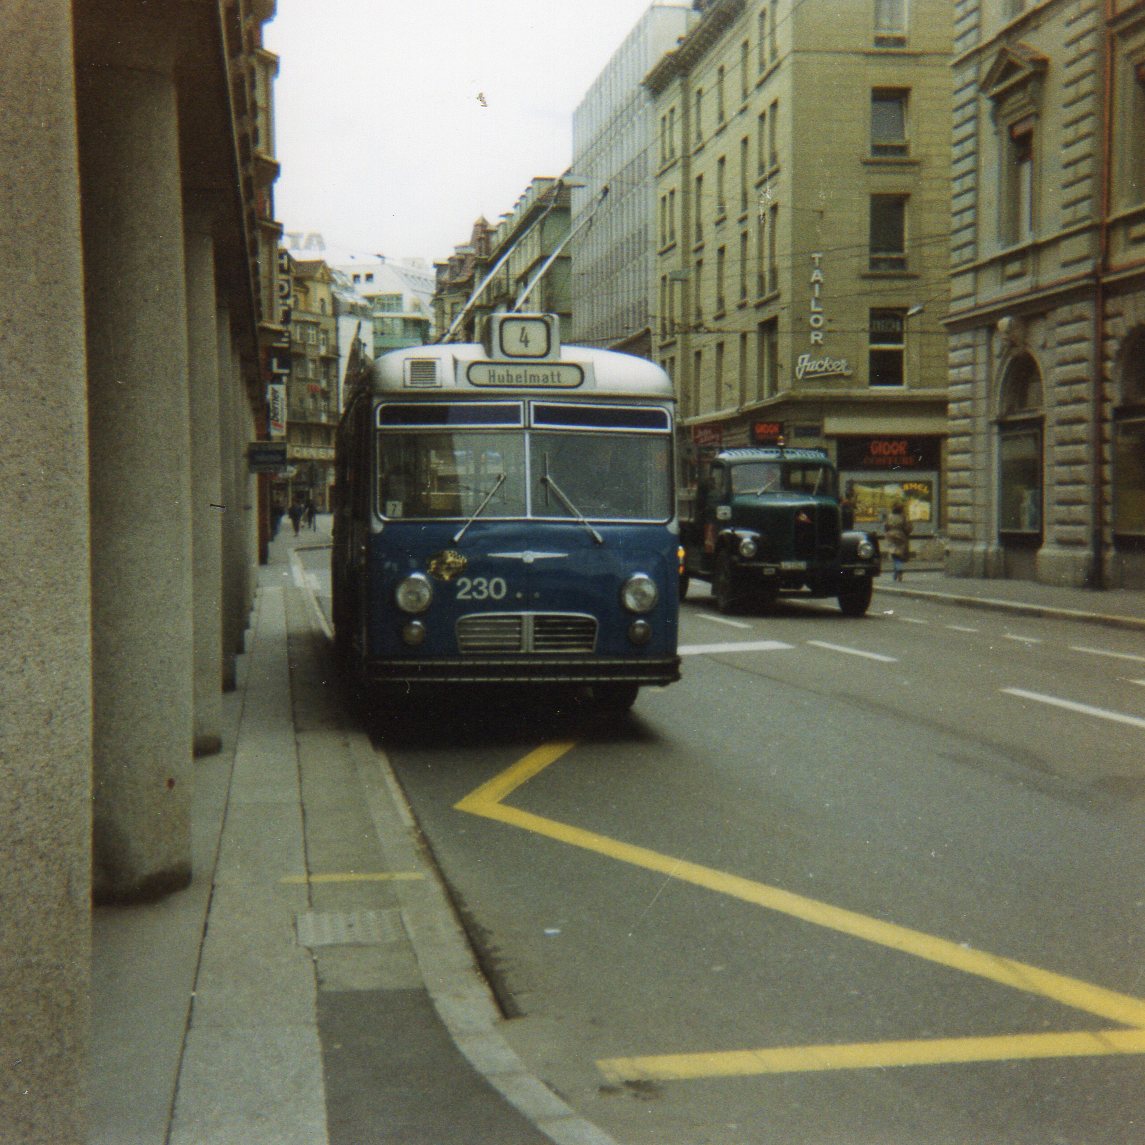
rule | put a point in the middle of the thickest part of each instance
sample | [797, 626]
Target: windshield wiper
[480, 508]
[548, 481]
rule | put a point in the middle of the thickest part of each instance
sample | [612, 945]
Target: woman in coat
[897, 536]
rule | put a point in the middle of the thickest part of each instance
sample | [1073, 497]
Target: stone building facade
[312, 391]
[803, 207]
[614, 147]
[136, 172]
[524, 252]
[1047, 318]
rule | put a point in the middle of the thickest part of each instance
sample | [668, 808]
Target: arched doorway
[1129, 454]
[1021, 464]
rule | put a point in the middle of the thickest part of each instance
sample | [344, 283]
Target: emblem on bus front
[446, 565]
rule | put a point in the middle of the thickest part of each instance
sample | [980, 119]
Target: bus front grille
[488, 633]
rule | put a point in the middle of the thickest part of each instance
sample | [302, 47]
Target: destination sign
[521, 375]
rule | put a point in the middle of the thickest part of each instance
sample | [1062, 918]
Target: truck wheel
[856, 598]
[725, 586]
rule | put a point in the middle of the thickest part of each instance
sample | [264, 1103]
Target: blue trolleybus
[505, 513]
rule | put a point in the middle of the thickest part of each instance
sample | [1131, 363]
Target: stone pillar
[235, 556]
[45, 677]
[140, 444]
[207, 501]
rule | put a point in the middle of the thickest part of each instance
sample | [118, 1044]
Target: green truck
[768, 521]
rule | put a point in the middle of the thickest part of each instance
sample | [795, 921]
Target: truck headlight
[866, 549]
[748, 547]
[639, 593]
[414, 593]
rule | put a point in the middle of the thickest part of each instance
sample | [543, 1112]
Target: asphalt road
[849, 882]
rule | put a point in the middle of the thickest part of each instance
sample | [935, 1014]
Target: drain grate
[349, 928]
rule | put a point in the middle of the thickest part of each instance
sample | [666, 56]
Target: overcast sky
[398, 122]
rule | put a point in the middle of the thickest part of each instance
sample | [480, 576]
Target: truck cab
[769, 521]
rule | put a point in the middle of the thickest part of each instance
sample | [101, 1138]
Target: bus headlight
[639, 593]
[414, 594]
[866, 549]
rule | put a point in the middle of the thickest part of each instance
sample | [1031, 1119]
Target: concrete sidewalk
[1120, 608]
[312, 986]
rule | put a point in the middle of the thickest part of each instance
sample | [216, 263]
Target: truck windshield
[758, 477]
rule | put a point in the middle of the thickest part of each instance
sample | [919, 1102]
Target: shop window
[1129, 446]
[1020, 464]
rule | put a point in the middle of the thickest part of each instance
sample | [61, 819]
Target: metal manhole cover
[349, 928]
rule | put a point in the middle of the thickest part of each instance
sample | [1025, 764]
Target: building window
[773, 31]
[773, 249]
[888, 232]
[719, 394]
[768, 351]
[699, 114]
[721, 187]
[672, 216]
[743, 370]
[890, 23]
[886, 348]
[773, 135]
[698, 294]
[697, 380]
[698, 209]
[721, 103]
[1129, 446]
[744, 161]
[671, 133]
[1017, 216]
[1020, 466]
[721, 274]
[744, 82]
[761, 143]
[743, 249]
[761, 256]
[888, 122]
[762, 25]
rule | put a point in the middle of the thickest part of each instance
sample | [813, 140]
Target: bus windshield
[603, 476]
[450, 473]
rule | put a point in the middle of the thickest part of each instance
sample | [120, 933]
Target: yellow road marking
[488, 801]
[355, 877]
[872, 1055]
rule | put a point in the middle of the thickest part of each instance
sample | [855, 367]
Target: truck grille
[488, 633]
[815, 534]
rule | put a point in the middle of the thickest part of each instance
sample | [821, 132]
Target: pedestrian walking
[296, 516]
[311, 514]
[896, 532]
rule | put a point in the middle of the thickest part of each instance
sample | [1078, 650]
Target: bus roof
[460, 368]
